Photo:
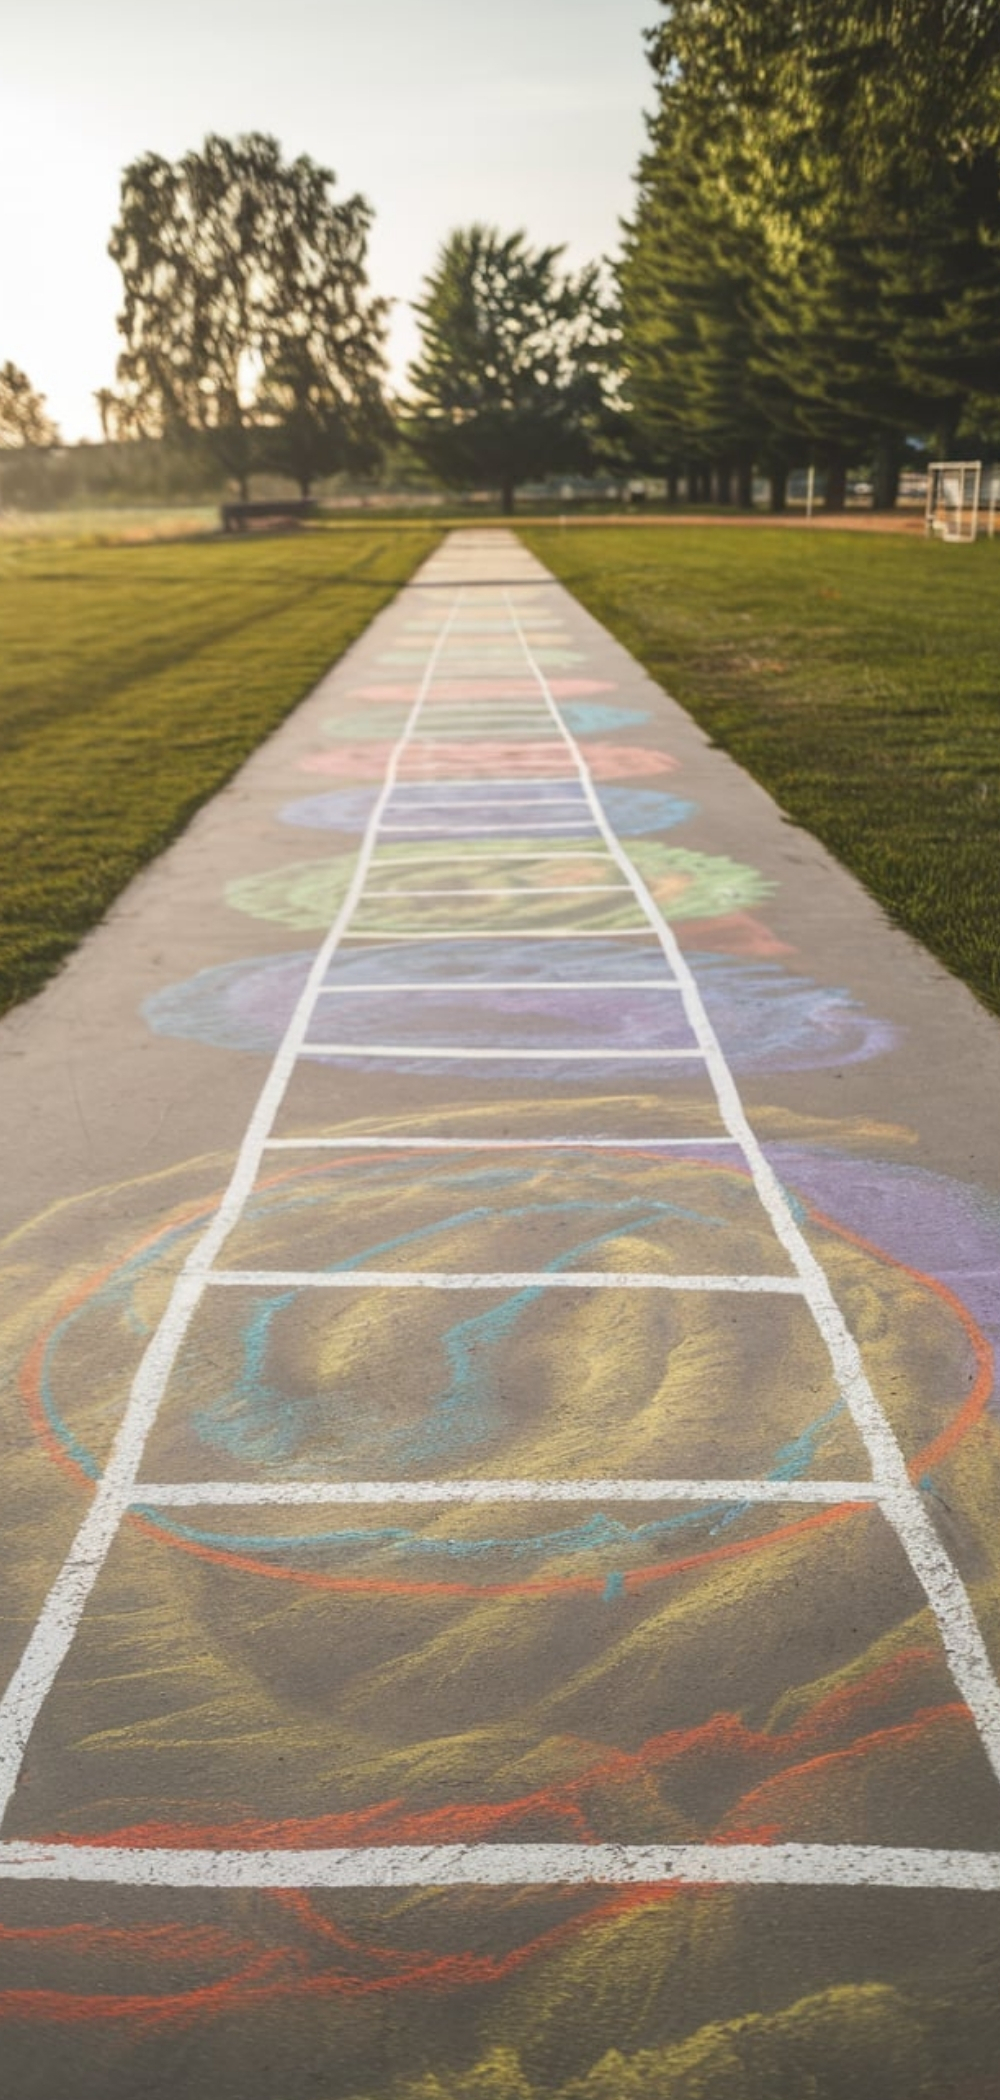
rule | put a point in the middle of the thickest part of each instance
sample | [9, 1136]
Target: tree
[23, 416]
[932, 149]
[321, 398]
[518, 363]
[685, 288]
[691, 264]
[812, 264]
[244, 308]
[884, 180]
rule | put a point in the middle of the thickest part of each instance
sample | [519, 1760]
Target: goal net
[953, 492]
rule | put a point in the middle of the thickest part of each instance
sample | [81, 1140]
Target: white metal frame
[954, 488]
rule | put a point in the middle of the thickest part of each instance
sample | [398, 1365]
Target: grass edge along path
[856, 678]
[134, 682]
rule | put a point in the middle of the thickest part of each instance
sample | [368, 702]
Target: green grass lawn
[133, 681]
[856, 676]
[114, 524]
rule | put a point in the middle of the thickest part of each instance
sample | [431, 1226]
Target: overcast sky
[521, 112]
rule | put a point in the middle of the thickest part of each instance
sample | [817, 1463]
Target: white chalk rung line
[890, 1486]
[516, 780]
[475, 830]
[380, 1141]
[298, 1494]
[470, 1054]
[461, 860]
[508, 1866]
[523, 889]
[520, 933]
[509, 984]
[498, 1280]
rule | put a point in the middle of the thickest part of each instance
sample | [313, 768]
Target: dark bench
[237, 516]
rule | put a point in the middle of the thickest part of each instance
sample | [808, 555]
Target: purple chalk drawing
[945, 1228]
[767, 1019]
[632, 812]
[343, 809]
[237, 1006]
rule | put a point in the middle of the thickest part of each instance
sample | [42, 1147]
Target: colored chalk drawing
[697, 885]
[484, 689]
[584, 717]
[342, 809]
[588, 718]
[767, 1019]
[358, 723]
[363, 761]
[633, 811]
[628, 1612]
[503, 655]
[306, 894]
[442, 760]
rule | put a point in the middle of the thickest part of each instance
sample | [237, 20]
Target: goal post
[954, 487]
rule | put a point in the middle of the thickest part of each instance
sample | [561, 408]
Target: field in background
[115, 525]
[134, 680]
[109, 526]
[856, 677]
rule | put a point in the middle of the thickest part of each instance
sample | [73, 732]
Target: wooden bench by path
[237, 517]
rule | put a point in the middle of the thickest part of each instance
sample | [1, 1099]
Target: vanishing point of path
[501, 1561]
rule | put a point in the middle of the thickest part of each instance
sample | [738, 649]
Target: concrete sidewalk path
[501, 1562]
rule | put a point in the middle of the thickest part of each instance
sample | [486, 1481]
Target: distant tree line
[252, 345]
[812, 270]
[810, 276]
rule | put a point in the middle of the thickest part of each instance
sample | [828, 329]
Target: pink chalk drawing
[488, 689]
[536, 759]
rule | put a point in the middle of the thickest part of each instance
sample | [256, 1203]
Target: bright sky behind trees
[519, 112]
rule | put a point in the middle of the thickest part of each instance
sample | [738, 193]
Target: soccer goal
[953, 492]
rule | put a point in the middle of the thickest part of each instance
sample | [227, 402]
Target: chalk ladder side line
[57, 1623]
[966, 1652]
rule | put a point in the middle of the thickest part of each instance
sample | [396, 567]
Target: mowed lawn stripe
[133, 683]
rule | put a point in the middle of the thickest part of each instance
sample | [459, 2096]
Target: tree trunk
[507, 498]
[305, 484]
[779, 488]
[722, 483]
[885, 487]
[673, 484]
[836, 482]
[744, 484]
